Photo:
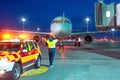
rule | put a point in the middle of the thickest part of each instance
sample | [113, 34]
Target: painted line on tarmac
[32, 72]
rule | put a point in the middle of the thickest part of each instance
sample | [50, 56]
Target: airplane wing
[87, 39]
[28, 34]
[85, 33]
[31, 32]
[48, 33]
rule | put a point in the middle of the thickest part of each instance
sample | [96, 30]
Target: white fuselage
[61, 27]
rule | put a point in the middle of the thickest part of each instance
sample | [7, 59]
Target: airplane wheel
[75, 43]
[79, 44]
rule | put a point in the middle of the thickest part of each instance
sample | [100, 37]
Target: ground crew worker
[51, 42]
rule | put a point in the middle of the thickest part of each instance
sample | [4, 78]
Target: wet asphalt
[81, 63]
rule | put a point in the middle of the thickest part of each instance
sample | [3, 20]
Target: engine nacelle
[88, 39]
[37, 38]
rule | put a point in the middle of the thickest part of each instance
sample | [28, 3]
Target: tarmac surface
[92, 62]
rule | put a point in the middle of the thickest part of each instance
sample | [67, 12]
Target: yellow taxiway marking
[32, 72]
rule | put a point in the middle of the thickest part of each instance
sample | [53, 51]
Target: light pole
[87, 21]
[113, 33]
[23, 20]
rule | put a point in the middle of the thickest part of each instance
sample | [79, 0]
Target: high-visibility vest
[52, 44]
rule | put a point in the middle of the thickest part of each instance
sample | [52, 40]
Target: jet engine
[37, 38]
[88, 39]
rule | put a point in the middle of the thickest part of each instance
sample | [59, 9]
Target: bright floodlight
[87, 19]
[38, 29]
[23, 19]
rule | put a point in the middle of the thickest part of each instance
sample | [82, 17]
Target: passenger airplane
[61, 27]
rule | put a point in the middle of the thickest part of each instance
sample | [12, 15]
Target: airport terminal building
[107, 16]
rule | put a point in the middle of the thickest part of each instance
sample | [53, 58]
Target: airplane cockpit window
[60, 21]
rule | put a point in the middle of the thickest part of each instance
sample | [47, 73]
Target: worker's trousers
[51, 55]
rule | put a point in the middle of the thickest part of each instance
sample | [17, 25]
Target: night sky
[40, 13]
